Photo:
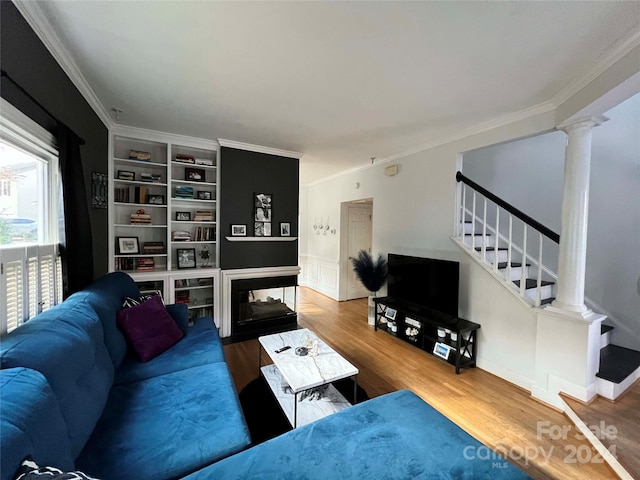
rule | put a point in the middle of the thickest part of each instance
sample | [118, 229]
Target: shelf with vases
[139, 183]
[140, 163]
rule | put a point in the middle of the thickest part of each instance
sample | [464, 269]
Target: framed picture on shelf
[183, 216]
[285, 229]
[186, 257]
[238, 230]
[391, 313]
[262, 208]
[126, 175]
[194, 174]
[156, 199]
[128, 245]
[262, 229]
[441, 350]
[204, 195]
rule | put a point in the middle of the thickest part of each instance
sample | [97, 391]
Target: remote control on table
[283, 349]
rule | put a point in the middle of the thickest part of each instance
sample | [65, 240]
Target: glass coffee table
[293, 374]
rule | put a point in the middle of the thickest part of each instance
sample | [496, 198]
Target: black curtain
[76, 243]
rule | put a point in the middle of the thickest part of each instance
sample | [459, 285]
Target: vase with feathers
[372, 273]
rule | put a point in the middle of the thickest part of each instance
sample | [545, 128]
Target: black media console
[452, 339]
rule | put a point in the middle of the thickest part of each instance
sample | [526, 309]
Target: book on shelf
[153, 248]
[204, 234]
[181, 236]
[204, 161]
[150, 177]
[184, 158]
[184, 191]
[139, 155]
[140, 195]
[121, 195]
[125, 263]
[123, 175]
[204, 216]
[140, 219]
[183, 296]
[145, 263]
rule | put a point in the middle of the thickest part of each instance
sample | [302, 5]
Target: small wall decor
[186, 257]
[204, 195]
[285, 229]
[183, 216]
[263, 214]
[99, 198]
[238, 230]
[205, 255]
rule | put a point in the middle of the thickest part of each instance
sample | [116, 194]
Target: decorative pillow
[132, 302]
[29, 470]
[149, 328]
[180, 314]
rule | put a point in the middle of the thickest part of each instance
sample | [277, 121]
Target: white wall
[414, 214]
[528, 173]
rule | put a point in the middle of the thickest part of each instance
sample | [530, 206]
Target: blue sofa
[75, 398]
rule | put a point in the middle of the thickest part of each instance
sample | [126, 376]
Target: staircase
[493, 245]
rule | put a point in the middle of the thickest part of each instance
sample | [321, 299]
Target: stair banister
[547, 232]
[482, 251]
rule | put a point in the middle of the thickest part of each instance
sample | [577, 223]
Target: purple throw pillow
[149, 328]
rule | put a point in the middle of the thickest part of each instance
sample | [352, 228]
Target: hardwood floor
[621, 432]
[500, 415]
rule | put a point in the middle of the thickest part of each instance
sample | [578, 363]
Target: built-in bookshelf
[163, 213]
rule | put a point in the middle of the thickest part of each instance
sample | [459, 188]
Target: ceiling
[340, 82]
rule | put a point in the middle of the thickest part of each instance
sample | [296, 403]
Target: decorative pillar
[575, 212]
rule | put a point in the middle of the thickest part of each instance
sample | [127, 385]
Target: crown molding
[610, 57]
[483, 127]
[155, 135]
[258, 148]
[40, 24]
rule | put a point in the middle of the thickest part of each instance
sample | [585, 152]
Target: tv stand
[450, 338]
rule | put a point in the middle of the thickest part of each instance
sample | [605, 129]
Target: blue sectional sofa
[75, 398]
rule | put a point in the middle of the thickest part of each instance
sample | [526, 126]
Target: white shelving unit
[129, 194]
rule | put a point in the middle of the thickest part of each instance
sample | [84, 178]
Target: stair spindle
[539, 282]
[495, 244]
[509, 249]
[523, 276]
[484, 232]
[473, 222]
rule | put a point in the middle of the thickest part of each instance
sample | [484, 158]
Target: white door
[359, 232]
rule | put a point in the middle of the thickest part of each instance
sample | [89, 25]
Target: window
[30, 266]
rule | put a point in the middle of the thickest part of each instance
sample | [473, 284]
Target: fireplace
[261, 306]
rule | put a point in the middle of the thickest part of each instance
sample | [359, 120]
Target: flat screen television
[425, 282]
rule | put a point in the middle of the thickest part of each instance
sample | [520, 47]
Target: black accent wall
[25, 58]
[242, 175]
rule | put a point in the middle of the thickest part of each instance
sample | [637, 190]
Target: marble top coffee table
[292, 374]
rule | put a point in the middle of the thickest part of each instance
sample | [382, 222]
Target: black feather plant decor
[372, 273]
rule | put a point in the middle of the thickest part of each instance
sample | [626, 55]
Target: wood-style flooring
[498, 414]
[616, 424]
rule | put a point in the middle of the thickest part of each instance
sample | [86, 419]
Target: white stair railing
[494, 247]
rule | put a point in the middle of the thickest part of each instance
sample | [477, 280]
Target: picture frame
[391, 313]
[128, 245]
[155, 199]
[262, 229]
[285, 229]
[126, 175]
[194, 174]
[441, 350]
[186, 257]
[262, 208]
[183, 216]
[204, 195]
[238, 230]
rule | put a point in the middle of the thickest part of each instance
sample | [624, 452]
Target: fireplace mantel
[229, 276]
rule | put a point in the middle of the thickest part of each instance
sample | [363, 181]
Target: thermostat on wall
[391, 171]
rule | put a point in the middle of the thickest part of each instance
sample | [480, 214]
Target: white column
[575, 213]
